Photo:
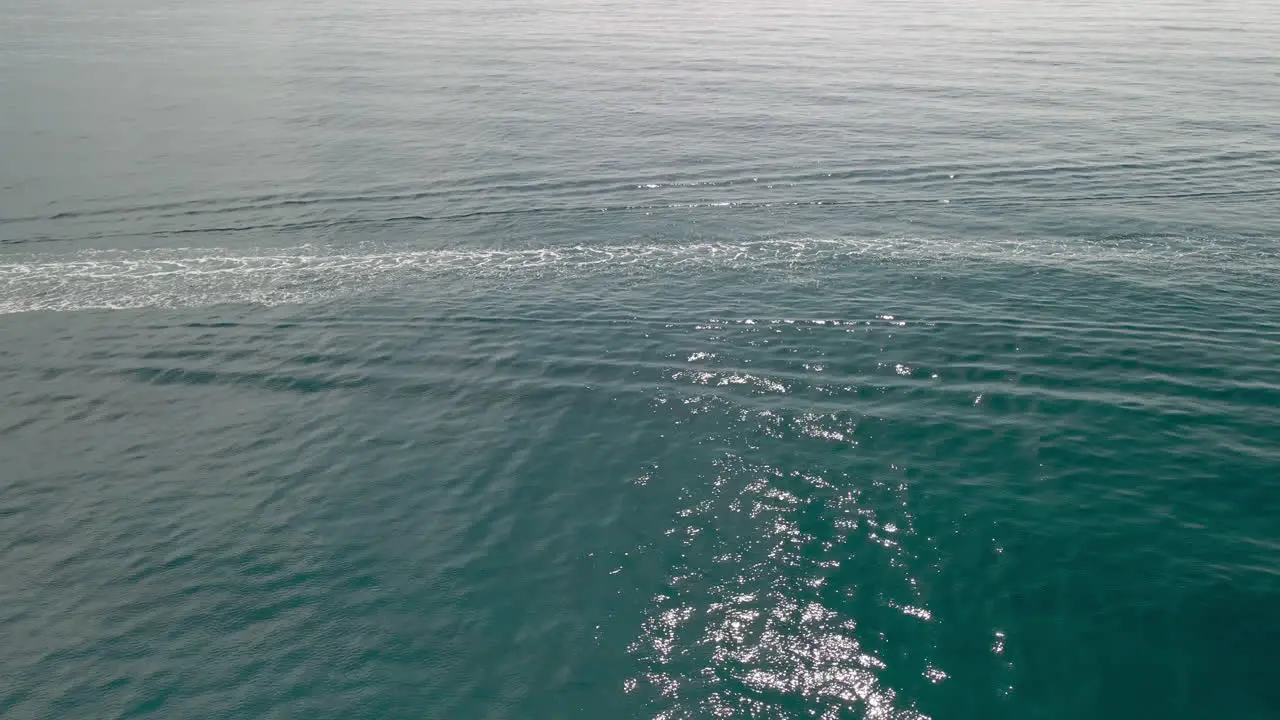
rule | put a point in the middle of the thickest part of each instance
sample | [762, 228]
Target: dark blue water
[657, 360]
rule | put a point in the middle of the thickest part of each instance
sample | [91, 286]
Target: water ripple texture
[556, 359]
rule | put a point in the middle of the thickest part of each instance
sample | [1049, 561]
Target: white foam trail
[194, 277]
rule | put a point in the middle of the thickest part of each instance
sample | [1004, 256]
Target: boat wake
[305, 274]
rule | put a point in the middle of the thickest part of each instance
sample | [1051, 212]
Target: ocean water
[670, 360]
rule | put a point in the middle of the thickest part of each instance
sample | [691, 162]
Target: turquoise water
[656, 360]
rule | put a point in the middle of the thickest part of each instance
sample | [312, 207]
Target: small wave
[304, 274]
[243, 218]
[1236, 171]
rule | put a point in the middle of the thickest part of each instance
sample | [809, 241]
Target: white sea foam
[193, 277]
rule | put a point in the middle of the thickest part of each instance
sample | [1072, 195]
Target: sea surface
[617, 359]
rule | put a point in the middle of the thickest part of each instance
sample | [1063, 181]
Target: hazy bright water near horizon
[670, 360]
